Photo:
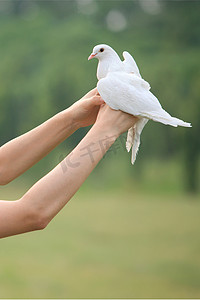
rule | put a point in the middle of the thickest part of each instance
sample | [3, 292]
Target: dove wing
[122, 91]
[130, 64]
[125, 92]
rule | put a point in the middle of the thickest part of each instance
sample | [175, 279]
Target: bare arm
[23, 152]
[50, 194]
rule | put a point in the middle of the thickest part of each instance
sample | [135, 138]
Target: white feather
[123, 92]
[133, 136]
[122, 88]
[130, 65]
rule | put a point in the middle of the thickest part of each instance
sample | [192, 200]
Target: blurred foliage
[44, 47]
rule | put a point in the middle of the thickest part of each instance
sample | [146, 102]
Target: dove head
[108, 60]
[102, 51]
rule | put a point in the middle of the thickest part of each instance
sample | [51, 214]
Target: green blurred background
[130, 231]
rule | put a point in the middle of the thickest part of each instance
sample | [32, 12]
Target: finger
[97, 100]
[103, 107]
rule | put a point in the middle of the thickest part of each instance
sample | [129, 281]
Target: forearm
[54, 190]
[50, 194]
[23, 152]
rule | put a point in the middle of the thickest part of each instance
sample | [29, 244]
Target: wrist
[67, 120]
[73, 112]
[101, 130]
[106, 130]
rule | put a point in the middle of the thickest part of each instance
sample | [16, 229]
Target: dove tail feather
[133, 138]
[165, 118]
[130, 138]
[135, 148]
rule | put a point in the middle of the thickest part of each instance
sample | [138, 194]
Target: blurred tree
[44, 64]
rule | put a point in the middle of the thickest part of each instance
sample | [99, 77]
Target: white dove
[122, 88]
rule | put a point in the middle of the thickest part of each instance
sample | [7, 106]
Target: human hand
[85, 110]
[114, 121]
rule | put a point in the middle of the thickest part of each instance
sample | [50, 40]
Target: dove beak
[92, 55]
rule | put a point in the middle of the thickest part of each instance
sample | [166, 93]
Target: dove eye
[101, 50]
